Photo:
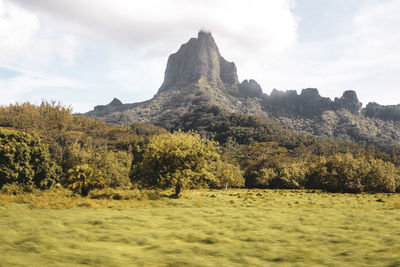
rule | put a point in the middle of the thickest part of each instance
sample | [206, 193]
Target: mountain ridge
[197, 75]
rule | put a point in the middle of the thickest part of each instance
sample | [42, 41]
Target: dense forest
[47, 147]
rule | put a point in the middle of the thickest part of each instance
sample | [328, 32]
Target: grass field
[203, 228]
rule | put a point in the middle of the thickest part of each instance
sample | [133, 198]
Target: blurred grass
[203, 228]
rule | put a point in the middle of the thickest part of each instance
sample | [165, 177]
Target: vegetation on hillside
[46, 145]
[229, 128]
[73, 142]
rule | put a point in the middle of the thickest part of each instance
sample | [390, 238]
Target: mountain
[197, 76]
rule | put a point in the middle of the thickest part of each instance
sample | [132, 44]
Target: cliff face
[197, 75]
[387, 113]
[309, 103]
[199, 59]
[348, 101]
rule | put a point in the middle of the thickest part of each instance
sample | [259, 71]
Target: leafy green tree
[25, 161]
[227, 175]
[181, 160]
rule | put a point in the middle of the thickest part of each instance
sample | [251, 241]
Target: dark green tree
[25, 161]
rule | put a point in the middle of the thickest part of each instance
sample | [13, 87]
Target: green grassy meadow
[202, 228]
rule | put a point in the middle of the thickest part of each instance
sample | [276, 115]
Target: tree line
[46, 146]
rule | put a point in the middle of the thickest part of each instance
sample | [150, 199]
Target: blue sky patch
[8, 73]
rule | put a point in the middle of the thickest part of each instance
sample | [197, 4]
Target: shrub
[115, 166]
[181, 160]
[382, 177]
[273, 173]
[12, 189]
[353, 174]
[339, 173]
[25, 161]
[227, 175]
[84, 178]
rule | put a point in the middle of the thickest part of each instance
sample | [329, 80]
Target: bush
[382, 177]
[181, 160]
[115, 166]
[270, 173]
[353, 174]
[227, 175]
[25, 161]
[84, 178]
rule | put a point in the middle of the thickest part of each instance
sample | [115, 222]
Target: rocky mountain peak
[310, 93]
[282, 94]
[199, 59]
[349, 101]
[115, 102]
[387, 113]
[250, 88]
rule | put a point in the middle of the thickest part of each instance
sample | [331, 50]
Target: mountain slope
[197, 75]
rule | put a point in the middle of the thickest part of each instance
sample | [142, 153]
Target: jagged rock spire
[198, 59]
[349, 101]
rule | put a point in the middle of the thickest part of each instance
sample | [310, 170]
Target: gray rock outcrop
[199, 60]
[349, 101]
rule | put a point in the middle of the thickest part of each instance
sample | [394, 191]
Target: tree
[353, 174]
[25, 161]
[227, 175]
[180, 160]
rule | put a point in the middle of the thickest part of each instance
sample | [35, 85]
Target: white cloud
[255, 23]
[14, 89]
[25, 42]
[17, 30]
[144, 33]
[128, 43]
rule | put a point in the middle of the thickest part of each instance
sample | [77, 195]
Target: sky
[85, 53]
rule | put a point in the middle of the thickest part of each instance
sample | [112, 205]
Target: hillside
[197, 75]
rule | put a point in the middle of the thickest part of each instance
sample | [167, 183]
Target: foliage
[25, 161]
[49, 135]
[276, 172]
[227, 175]
[75, 140]
[142, 129]
[353, 174]
[83, 179]
[55, 123]
[345, 173]
[223, 126]
[114, 165]
[247, 136]
[181, 160]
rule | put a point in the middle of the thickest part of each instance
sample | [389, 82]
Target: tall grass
[202, 228]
